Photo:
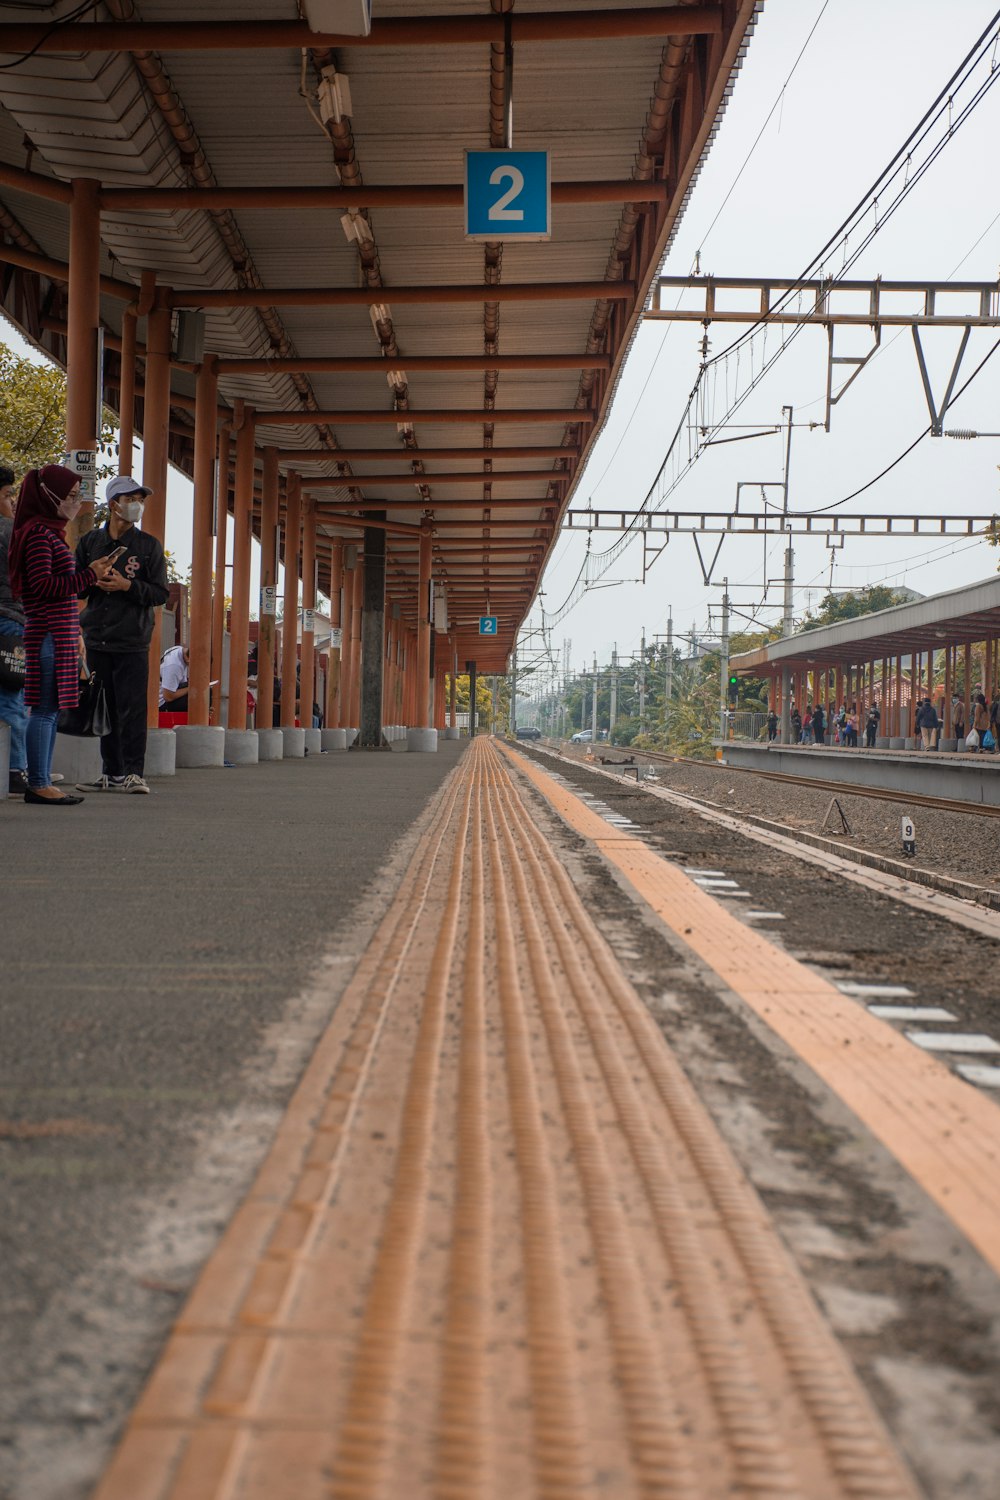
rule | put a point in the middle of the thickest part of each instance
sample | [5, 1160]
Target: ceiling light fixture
[344, 17]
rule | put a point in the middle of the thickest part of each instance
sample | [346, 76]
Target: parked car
[582, 737]
[528, 732]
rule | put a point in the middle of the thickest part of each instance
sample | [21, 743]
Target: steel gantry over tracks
[262, 223]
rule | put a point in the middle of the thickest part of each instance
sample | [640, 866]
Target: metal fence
[747, 724]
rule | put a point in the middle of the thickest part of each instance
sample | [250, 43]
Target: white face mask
[129, 510]
[69, 508]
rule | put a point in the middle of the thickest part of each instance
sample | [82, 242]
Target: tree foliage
[33, 417]
[854, 604]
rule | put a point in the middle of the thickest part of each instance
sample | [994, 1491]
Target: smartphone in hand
[116, 554]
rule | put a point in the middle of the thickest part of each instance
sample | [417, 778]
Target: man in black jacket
[117, 624]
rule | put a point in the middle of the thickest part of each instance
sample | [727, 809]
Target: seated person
[174, 680]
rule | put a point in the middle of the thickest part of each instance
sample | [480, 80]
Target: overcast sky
[867, 76]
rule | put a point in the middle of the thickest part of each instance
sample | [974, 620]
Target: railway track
[844, 788]
[499, 1247]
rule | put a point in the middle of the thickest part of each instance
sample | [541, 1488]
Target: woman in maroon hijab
[43, 573]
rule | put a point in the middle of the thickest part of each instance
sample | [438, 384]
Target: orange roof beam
[486, 476]
[375, 364]
[407, 455]
[420, 31]
[390, 195]
[411, 418]
[371, 296]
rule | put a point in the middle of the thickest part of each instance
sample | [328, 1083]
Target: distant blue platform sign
[487, 624]
[507, 195]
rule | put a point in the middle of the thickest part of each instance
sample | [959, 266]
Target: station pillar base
[313, 741]
[294, 742]
[452, 734]
[333, 739]
[241, 747]
[270, 744]
[161, 752]
[199, 745]
[421, 739]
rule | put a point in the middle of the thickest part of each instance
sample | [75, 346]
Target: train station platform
[973, 778]
[448, 1165]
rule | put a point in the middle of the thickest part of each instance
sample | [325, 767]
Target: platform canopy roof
[302, 188]
[961, 616]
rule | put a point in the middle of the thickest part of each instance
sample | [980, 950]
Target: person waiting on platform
[849, 733]
[807, 726]
[117, 628]
[980, 721]
[174, 679]
[958, 720]
[796, 720]
[871, 726]
[818, 724]
[772, 727]
[927, 723]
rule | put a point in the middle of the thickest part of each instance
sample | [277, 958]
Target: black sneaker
[102, 784]
[17, 783]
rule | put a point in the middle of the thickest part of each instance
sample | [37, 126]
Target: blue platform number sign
[507, 195]
[487, 624]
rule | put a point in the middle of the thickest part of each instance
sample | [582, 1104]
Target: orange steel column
[422, 708]
[219, 578]
[439, 697]
[454, 683]
[268, 589]
[82, 322]
[126, 397]
[336, 624]
[155, 450]
[290, 618]
[308, 669]
[239, 618]
[205, 422]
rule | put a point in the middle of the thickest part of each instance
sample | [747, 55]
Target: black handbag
[90, 719]
[13, 667]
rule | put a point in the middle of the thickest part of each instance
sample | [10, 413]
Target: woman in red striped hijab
[43, 574]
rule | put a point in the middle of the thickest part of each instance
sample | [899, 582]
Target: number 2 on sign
[500, 210]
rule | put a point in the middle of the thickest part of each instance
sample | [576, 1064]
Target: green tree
[33, 417]
[852, 605]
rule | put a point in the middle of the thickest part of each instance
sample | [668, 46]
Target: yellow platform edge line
[940, 1129]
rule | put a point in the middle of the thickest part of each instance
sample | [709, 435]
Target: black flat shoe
[64, 801]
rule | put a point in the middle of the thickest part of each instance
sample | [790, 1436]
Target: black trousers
[125, 675]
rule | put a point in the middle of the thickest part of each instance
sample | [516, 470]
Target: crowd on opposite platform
[842, 725]
[73, 625]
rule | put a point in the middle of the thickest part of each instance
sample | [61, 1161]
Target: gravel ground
[959, 844]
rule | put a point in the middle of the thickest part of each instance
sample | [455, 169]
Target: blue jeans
[12, 709]
[41, 737]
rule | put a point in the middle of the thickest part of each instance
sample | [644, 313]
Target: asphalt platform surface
[168, 963]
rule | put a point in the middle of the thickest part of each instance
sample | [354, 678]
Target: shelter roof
[403, 368]
[961, 616]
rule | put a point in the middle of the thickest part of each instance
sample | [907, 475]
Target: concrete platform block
[270, 744]
[910, 743]
[76, 758]
[421, 740]
[295, 743]
[896, 743]
[948, 745]
[161, 753]
[352, 735]
[333, 739]
[200, 745]
[452, 734]
[313, 741]
[882, 742]
[241, 747]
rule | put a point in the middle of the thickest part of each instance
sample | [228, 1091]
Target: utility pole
[513, 693]
[787, 623]
[593, 720]
[724, 664]
[642, 684]
[668, 682]
[614, 693]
